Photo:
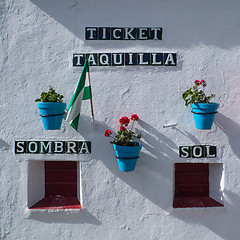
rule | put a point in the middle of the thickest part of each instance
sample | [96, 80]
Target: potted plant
[203, 110]
[51, 108]
[127, 151]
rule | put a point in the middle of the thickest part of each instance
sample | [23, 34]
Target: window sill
[57, 203]
[195, 202]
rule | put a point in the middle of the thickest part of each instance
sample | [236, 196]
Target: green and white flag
[82, 92]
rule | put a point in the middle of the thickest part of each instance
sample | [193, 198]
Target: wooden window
[192, 186]
[60, 186]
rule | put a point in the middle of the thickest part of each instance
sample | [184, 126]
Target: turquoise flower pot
[203, 114]
[127, 156]
[52, 114]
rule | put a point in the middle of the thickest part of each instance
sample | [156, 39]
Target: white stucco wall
[38, 38]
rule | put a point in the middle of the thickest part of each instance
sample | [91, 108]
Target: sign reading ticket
[123, 33]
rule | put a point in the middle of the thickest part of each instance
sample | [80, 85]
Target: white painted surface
[36, 182]
[216, 181]
[38, 39]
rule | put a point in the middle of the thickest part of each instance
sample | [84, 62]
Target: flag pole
[91, 102]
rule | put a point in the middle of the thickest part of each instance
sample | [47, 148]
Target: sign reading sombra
[125, 59]
[52, 147]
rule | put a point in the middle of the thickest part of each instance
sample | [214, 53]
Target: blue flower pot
[127, 156]
[52, 114]
[203, 114]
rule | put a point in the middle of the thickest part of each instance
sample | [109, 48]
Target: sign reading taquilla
[123, 33]
[52, 147]
[125, 59]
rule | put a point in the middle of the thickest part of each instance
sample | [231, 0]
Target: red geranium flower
[134, 117]
[124, 121]
[122, 128]
[124, 135]
[107, 133]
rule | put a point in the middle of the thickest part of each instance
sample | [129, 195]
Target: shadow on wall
[3, 145]
[79, 217]
[153, 175]
[225, 226]
[231, 129]
[210, 23]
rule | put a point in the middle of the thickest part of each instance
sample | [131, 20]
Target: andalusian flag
[82, 92]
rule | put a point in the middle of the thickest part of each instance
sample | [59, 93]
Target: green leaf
[50, 96]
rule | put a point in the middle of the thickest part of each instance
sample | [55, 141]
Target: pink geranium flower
[197, 83]
[203, 83]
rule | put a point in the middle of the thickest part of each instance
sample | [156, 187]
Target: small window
[60, 184]
[192, 185]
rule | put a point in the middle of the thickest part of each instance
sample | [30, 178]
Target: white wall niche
[36, 186]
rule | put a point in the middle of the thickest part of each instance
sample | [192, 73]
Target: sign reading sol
[199, 151]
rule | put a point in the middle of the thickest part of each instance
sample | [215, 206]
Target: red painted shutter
[61, 179]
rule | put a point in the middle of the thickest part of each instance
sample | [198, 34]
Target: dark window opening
[192, 186]
[60, 186]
